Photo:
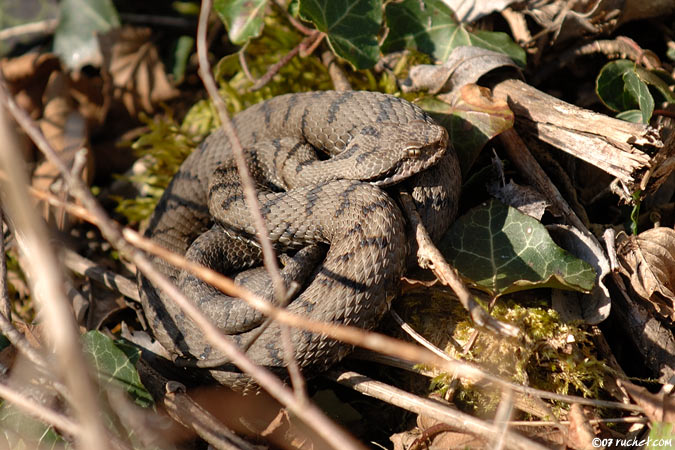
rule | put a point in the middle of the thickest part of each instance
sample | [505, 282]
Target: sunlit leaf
[431, 27]
[501, 250]
[115, 363]
[79, 22]
[639, 90]
[243, 18]
[350, 25]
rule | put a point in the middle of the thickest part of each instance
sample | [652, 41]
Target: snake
[327, 167]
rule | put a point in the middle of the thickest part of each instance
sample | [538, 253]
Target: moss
[550, 355]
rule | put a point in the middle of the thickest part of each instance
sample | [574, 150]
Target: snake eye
[414, 152]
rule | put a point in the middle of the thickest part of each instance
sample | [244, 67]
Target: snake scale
[344, 234]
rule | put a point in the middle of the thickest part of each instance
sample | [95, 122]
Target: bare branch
[46, 285]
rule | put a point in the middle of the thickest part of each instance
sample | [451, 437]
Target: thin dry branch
[430, 257]
[46, 285]
[40, 412]
[250, 197]
[457, 419]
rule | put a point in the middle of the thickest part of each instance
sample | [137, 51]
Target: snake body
[338, 201]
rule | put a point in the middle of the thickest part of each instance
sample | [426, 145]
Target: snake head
[387, 153]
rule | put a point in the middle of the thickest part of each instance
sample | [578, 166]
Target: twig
[418, 337]
[184, 410]
[406, 365]
[5, 301]
[250, 194]
[296, 23]
[42, 27]
[337, 75]
[111, 231]
[419, 405]
[521, 157]
[46, 286]
[116, 282]
[41, 412]
[274, 68]
[430, 257]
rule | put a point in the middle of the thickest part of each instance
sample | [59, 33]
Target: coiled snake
[371, 141]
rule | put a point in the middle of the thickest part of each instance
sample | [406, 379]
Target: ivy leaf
[501, 250]
[20, 430]
[638, 89]
[472, 120]
[79, 22]
[243, 18]
[115, 362]
[631, 115]
[431, 27]
[350, 25]
[623, 86]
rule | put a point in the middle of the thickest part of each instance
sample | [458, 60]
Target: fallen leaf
[657, 407]
[647, 259]
[65, 129]
[27, 76]
[590, 308]
[137, 73]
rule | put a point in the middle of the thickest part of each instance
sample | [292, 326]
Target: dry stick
[41, 412]
[419, 405]
[430, 257]
[309, 41]
[113, 281]
[250, 197]
[47, 290]
[306, 411]
[393, 361]
[337, 75]
[348, 334]
[5, 302]
[42, 27]
[184, 410]
[521, 157]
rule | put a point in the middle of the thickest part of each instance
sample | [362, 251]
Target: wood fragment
[625, 150]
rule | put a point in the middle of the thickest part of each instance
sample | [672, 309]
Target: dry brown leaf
[648, 260]
[27, 76]
[65, 129]
[658, 407]
[138, 77]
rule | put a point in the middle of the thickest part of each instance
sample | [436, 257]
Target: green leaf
[350, 25]
[243, 18]
[472, 120]
[501, 250]
[79, 22]
[631, 115]
[115, 363]
[20, 430]
[431, 27]
[637, 89]
[181, 54]
[610, 86]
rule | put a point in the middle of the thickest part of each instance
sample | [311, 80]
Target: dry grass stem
[46, 282]
[419, 405]
[250, 194]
